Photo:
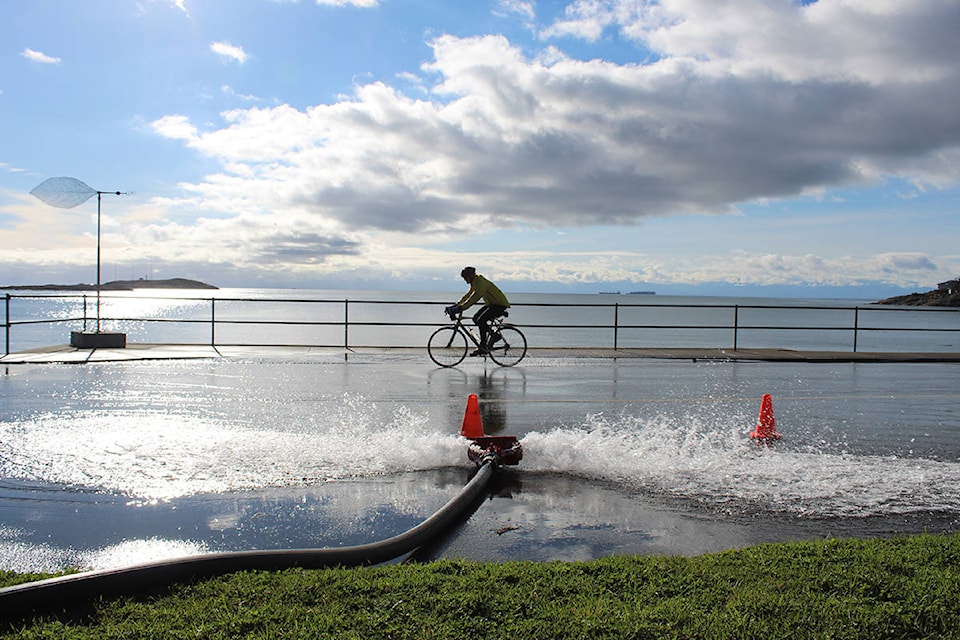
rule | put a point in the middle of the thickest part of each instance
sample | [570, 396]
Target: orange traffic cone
[766, 425]
[472, 424]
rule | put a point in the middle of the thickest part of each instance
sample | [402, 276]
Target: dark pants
[484, 317]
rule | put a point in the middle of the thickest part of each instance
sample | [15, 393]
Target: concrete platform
[66, 354]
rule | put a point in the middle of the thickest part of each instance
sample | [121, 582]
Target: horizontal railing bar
[54, 321]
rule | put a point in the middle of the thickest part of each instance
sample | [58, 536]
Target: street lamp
[67, 193]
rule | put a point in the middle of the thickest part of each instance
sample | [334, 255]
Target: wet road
[120, 462]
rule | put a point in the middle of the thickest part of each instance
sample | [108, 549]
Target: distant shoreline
[935, 298]
[116, 285]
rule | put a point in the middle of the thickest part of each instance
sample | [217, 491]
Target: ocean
[108, 464]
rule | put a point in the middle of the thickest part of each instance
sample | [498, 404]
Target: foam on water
[720, 468]
[702, 455]
[154, 456]
[29, 558]
[131, 552]
[26, 558]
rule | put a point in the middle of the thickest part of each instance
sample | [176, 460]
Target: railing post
[346, 323]
[736, 325]
[84, 312]
[856, 326]
[6, 324]
[213, 322]
[616, 324]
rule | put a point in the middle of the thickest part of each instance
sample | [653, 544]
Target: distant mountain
[946, 296]
[117, 285]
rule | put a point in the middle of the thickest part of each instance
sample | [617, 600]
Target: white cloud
[229, 51]
[37, 56]
[738, 268]
[522, 8]
[180, 5]
[508, 139]
[587, 19]
[176, 127]
[366, 4]
[229, 91]
[873, 41]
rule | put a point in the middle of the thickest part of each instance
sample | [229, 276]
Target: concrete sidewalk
[65, 354]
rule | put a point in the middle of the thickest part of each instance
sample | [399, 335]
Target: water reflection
[493, 408]
[87, 529]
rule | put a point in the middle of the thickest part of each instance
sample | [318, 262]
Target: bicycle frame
[512, 343]
[495, 325]
[466, 330]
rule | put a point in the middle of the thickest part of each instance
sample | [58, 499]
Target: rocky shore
[946, 297]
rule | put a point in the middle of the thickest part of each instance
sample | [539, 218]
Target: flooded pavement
[111, 463]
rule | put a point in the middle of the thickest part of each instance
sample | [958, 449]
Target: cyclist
[495, 305]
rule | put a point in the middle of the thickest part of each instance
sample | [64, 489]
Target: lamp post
[99, 284]
[67, 193]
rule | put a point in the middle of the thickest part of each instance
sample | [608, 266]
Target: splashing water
[696, 458]
[164, 456]
[721, 469]
[130, 552]
[25, 558]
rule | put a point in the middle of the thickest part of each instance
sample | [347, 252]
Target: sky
[704, 147]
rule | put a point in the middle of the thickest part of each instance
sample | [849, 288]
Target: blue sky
[763, 147]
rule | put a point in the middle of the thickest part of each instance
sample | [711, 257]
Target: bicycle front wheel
[447, 346]
[511, 348]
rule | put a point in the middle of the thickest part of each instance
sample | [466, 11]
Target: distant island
[117, 285]
[947, 294]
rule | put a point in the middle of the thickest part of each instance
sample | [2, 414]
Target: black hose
[67, 591]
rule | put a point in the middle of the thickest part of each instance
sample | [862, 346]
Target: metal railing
[612, 320]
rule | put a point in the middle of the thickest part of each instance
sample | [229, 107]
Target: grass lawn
[905, 587]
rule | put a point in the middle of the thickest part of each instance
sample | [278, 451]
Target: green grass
[906, 587]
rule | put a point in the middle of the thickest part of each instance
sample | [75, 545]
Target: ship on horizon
[632, 293]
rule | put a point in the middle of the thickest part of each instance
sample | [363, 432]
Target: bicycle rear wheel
[511, 348]
[447, 346]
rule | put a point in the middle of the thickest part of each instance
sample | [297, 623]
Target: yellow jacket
[482, 288]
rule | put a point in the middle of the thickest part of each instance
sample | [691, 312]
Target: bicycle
[448, 345]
